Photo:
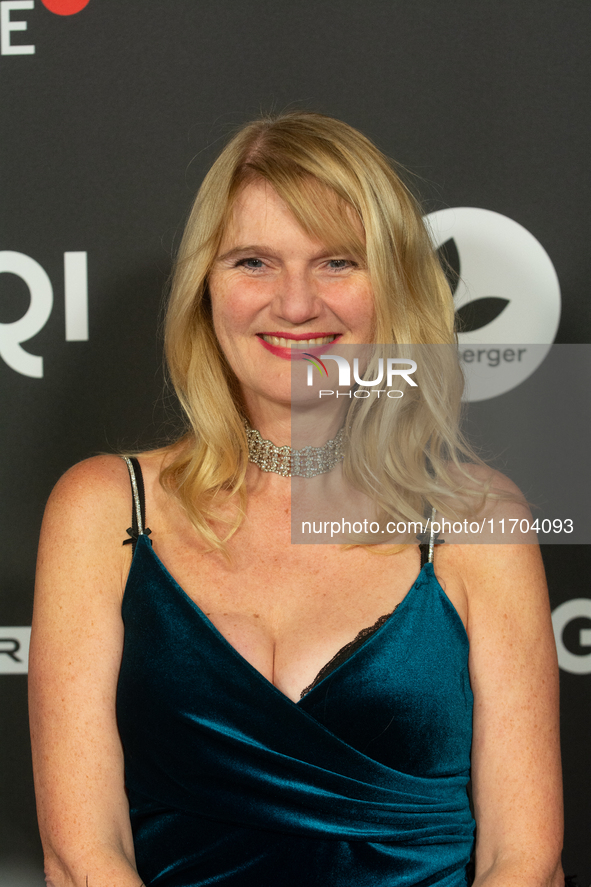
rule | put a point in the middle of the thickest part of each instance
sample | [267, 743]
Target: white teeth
[301, 344]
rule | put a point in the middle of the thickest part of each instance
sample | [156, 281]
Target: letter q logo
[12, 335]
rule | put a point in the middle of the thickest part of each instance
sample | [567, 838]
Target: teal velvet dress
[361, 783]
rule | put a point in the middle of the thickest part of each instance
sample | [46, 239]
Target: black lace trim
[346, 651]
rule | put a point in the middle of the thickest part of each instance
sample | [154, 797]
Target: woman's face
[276, 293]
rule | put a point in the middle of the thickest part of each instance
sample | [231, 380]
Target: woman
[172, 743]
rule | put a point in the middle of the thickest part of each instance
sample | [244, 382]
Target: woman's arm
[516, 775]
[76, 646]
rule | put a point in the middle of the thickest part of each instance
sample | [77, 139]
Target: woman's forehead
[312, 209]
[258, 204]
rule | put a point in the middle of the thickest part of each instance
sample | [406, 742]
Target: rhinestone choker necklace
[307, 462]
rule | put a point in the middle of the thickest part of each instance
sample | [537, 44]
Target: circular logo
[506, 293]
[579, 608]
[65, 7]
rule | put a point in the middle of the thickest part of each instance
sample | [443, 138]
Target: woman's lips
[292, 347]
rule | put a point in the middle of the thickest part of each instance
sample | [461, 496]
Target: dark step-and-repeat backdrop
[111, 113]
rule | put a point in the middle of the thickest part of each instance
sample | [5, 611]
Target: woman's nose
[296, 298]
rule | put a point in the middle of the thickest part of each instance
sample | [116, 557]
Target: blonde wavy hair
[306, 156]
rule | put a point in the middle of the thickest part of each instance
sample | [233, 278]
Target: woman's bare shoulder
[93, 500]
[488, 505]
[85, 527]
[90, 490]
[472, 476]
[496, 545]
[493, 565]
[100, 485]
[93, 473]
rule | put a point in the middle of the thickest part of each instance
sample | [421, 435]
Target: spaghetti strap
[432, 536]
[138, 511]
[427, 548]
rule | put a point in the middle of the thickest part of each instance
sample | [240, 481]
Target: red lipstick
[297, 353]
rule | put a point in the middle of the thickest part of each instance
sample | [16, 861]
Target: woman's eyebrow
[260, 249]
[240, 250]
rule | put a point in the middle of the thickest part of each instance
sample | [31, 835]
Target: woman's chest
[288, 609]
[404, 694]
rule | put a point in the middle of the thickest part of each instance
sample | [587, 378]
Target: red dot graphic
[65, 7]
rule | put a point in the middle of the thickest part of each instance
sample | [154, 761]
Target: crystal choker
[307, 462]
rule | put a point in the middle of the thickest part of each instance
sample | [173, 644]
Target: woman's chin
[299, 399]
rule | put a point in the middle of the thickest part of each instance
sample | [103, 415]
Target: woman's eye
[252, 264]
[340, 264]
